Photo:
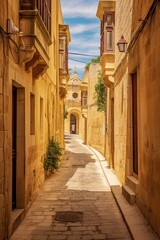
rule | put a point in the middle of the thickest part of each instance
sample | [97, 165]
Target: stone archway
[76, 119]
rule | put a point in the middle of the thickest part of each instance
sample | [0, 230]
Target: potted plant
[52, 158]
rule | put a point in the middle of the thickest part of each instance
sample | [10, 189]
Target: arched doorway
[72, 124]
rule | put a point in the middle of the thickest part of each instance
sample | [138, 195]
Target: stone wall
[136, 114]
[96, 120]
[5, 144]
[123, 14]
[48, 119]
[144, 58]
[109, 138]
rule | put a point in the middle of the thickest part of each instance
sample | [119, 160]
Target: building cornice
[105, 6]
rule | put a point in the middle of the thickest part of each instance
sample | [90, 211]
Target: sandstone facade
[96, 120]
[31, 101]
[76, 107]
[144, 62]
[132, 82]
[87, 122]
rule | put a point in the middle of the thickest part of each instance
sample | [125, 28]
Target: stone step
[129, 194]
[17, 217]
[132, 183]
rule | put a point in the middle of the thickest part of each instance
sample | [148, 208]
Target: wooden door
[14, 128]
[134, 121]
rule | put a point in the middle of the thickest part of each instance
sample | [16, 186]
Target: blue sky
[84, 29]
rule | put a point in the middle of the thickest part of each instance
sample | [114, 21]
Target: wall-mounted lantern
[122, 44]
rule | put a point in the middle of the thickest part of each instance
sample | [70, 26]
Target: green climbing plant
[65, 113]
[53, 154]
[101, 94]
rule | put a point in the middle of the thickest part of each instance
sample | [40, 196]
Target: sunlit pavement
[75, 203]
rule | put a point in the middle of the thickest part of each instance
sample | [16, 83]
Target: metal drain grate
[69, 216]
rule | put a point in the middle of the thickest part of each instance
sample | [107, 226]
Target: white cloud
[84, 28]
[81, 28]
[73, 64]
[87, 39]
[79, 8]
[85, 44]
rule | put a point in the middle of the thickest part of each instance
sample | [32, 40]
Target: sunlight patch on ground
[88, 178]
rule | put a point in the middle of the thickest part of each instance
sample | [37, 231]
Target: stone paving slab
[79, 186]
[137, 224]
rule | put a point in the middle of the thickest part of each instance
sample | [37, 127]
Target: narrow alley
[79, 97]
[74, 203]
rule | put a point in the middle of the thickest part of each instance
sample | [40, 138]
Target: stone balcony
[108, 66]
[105, 5]
[106, 15]
[64, 39]
[35, 35]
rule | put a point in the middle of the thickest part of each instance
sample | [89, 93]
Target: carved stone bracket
[35, 34]
[62, 92]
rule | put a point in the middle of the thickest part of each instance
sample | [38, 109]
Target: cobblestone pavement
[75, 203]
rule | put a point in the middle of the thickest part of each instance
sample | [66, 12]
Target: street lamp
[122, 44]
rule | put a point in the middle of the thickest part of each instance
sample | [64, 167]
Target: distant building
[76, 106]
[96, 120]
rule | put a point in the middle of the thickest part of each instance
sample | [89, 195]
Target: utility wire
[82, 54]
[77, 60]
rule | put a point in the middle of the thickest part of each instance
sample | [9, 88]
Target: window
[64, 39]
[41, 117]
[107, 33]
[75, 95]
[109, 42]
[84, 99]
[43, 7]
[32, 114]
[109, 19]
[63, 53]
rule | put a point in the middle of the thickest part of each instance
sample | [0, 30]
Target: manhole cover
[69, 216]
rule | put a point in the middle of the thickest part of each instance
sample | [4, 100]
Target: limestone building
[106, 14]
[33, 74]
[82, 117]
[132, 81]
[95, 120]
[76, 106]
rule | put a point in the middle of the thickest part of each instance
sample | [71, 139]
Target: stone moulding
[105, 5]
